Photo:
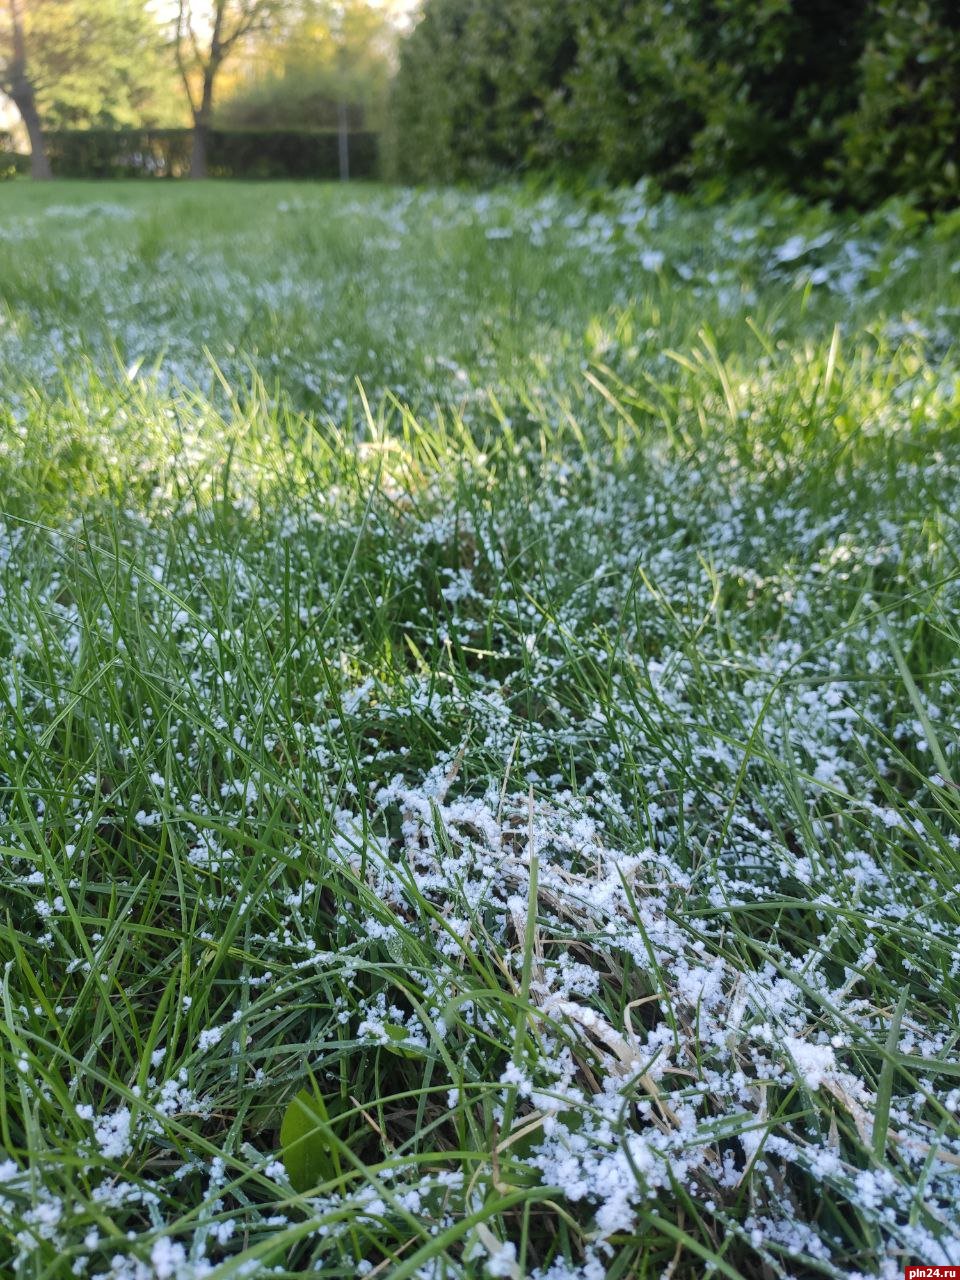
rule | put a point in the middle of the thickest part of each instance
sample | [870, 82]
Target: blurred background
[850, 101]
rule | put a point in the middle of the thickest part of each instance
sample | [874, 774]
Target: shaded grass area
[490, 663]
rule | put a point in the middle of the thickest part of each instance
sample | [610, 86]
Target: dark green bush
[118, 153]
[472, 95]
[290, 154]
[634, 97]
[905, 134]
[854, 100]
[12, 163]
[776, 79]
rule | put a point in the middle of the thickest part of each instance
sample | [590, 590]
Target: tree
[202, 46]
[17, 82]
[323, 56]
[75, 62]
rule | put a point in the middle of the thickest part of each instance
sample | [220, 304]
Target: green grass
[478, 736]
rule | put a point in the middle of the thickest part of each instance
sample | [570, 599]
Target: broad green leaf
[309, 1156]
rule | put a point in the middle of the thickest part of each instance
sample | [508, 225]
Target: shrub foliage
[854, 101]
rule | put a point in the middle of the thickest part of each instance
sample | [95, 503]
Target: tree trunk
[198, 151]
[26, 103]
[203, 112]
[19, 88]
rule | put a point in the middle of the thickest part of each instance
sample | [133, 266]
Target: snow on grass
[551, 763]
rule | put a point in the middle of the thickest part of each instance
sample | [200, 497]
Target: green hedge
[144, 153]
[288, 154]
[853, 100]
[12, 164]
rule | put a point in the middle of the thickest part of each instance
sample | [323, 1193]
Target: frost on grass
[561, 781]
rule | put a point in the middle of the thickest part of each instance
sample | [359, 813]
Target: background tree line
[850, 99]
[96, 65]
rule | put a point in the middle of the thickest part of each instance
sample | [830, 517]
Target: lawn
[478, 735]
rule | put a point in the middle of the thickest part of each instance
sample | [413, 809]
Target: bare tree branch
[199, 57]
[184, 25]
[252, 17]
